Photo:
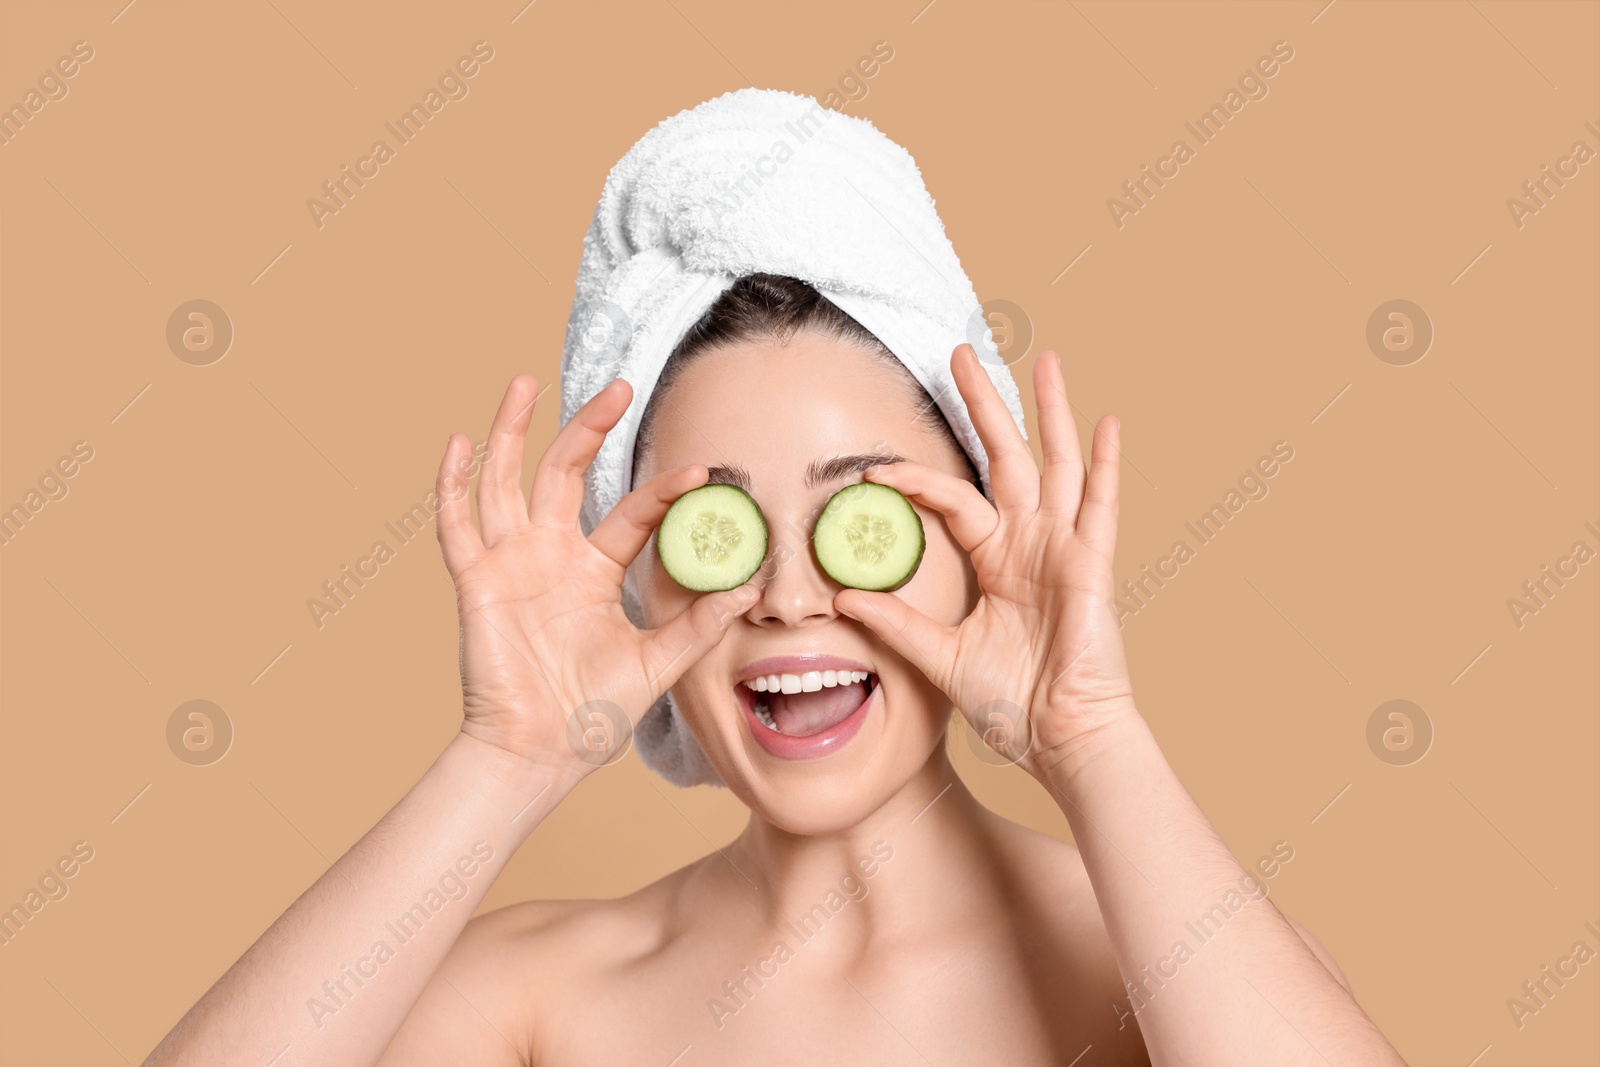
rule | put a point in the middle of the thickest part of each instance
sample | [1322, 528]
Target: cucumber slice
[869, 537]
[712, 538]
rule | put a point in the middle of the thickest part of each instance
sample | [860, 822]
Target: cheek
[697, 700]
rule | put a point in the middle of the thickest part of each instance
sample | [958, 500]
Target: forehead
[807, 413]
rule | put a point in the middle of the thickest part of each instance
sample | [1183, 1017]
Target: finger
[625, 530]
[1013, 475]
[969, 515]
[500, 482]
[925, 644]
[1097, 522]
[558, 480]
[1062, 489]
[458, 538]
[673, 647]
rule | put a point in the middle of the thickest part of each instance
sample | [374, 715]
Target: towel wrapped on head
[759, 181]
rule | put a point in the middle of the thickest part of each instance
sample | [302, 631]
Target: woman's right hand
[552, 669]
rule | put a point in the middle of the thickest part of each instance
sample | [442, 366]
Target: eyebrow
[818, 473]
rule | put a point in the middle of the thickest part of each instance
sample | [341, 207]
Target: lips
[812, 722]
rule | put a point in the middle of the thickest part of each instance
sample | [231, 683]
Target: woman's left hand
[1038, 665]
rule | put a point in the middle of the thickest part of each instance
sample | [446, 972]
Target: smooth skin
[938, 931]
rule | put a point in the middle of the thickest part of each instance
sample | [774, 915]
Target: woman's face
[770, 414]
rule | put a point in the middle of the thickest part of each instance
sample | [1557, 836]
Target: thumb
[925, 644]
[672, 648]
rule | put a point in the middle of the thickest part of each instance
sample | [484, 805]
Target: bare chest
[978, 1000]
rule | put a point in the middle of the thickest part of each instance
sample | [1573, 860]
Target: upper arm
[472, 1010]
[1321, 953]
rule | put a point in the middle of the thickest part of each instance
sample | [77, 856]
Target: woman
[872, 911]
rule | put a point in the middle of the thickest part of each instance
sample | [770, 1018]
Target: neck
[925, 847]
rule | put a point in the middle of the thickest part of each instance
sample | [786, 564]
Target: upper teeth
[809, 682]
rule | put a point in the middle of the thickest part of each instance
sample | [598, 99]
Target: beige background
[1226, 315]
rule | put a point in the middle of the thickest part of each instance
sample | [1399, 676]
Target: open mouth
[807, 714]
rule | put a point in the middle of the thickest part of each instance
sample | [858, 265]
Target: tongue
[804, 714]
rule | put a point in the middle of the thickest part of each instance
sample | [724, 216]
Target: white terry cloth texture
[759, 180]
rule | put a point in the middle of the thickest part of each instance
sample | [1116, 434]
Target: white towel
[759, 180]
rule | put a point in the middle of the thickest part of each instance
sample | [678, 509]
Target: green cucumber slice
[712, 538]
[869, 537]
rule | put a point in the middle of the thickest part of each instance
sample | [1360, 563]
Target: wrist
[516, 781]
[1105, 734]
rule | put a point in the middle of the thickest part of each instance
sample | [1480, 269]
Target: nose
[795, 591]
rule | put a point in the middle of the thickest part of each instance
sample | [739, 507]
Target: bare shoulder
[1047, 861]
[1050, 887]
[1044, 860]
[540, 943]
[513, 969]
[504, 937]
